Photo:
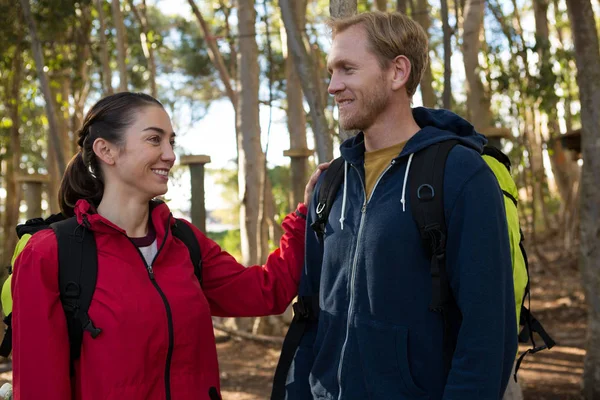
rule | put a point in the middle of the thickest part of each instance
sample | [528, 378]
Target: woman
[157, 337]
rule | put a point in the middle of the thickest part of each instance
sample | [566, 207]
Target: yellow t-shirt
[376, 162]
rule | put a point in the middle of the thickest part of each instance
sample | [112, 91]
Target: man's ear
[402, 69]
[105, 151]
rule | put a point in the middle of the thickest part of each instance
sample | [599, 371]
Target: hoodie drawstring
[403, 200]
[342, 217]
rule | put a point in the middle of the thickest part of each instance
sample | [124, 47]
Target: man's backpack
[426, 191]
[77, 272]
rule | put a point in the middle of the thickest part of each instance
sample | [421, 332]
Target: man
[376, 337]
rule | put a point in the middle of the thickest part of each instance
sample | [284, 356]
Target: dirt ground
[247, 367]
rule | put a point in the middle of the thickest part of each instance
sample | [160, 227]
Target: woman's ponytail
[78, 183]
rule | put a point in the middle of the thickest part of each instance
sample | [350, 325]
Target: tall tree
[12, 100]
[342, 9]
[447, 32]
[564, 168]
[381, 5]
[121, 44]
[421, 15]
[478, 101]
[587, 58]
[45, 85]
[310, 82]
[401, 6]
[80, 77]
[215, 55]
[141, 15]
[296, 117]
[250, 154]
[104, 57]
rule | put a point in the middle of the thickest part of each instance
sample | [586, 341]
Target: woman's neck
[129, 214]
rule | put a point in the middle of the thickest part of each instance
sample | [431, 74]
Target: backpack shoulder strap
[306, 310]
[77, 274]
[426, 184]
[498, 155]
[184, 232]
[327, 192]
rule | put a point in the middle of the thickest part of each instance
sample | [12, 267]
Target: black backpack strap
[184, 232]
[77, 274]
[426, 186]
[530, 324]
[306, 309]
[327, 192]
[6, 346]
[498, 155]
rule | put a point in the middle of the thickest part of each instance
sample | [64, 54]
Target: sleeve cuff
[301, 210]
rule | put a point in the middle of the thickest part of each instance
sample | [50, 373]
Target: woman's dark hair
[107, 119]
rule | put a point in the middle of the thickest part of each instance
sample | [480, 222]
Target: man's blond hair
[391, 35]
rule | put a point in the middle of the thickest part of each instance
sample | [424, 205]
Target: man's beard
[375, 102]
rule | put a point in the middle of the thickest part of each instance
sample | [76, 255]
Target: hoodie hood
[436, 125]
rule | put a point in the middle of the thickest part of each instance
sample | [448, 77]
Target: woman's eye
[154, 139]
[172, 143]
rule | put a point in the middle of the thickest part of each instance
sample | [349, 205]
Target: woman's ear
[105, 151]
[402, 70]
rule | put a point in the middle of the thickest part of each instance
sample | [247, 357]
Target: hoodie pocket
[384, 357]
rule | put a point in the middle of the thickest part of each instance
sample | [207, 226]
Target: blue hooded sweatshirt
[375, 337]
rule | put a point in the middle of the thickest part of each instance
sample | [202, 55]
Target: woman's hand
[310, 186]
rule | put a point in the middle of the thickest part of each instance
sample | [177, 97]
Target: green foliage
[229, 240]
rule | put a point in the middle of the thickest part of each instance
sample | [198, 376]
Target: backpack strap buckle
[89, 326]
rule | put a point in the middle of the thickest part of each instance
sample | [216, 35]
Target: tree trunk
[38, 56]
[401, 6]
[564, 168]
[537, 170]
[80, 83]
[308, 78]
[587, 59]
[215, 56]
[13, 192]
[447, 95]
[296, 117]
[142, 18]
[381, 5]
[121, 44]
[478, 102]
[250, 156]
[421, 15]
[342, 9]
[104, 57]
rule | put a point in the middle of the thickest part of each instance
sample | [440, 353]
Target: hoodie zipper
[363, 211]
[165, 302]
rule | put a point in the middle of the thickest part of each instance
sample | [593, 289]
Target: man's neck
[395, 125]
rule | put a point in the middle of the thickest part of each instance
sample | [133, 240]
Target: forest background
[245, 84]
